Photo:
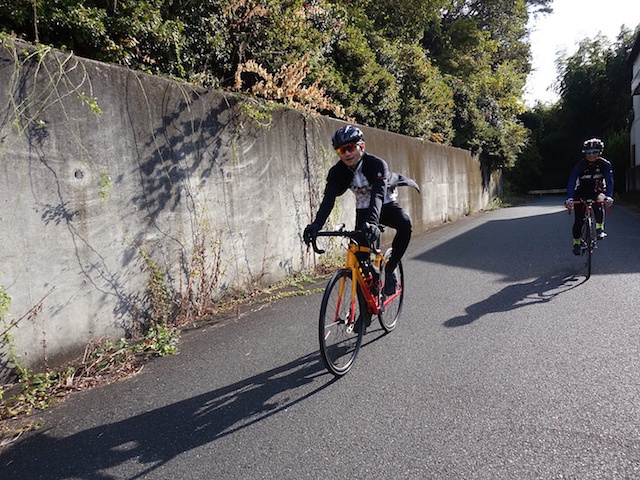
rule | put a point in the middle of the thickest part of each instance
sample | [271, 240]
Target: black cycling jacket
[376, 172]
[591, 178]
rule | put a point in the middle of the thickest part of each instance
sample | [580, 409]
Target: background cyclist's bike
[588, 236]
[353, 295]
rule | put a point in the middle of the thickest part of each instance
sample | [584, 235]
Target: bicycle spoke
[340, 319]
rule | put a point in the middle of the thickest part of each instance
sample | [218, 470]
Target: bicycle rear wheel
[393, 304]
[341, 323]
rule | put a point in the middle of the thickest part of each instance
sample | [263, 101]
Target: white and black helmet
[593, 144]
[347, 134]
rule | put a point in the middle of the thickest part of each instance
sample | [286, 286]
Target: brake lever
[315, 246]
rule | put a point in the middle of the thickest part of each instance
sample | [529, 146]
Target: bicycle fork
[350, 319]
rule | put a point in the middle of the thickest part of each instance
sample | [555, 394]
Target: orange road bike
[352, 297]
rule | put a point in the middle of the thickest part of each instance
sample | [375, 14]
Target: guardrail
[546, 192]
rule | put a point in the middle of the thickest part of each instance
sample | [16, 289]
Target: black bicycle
[588, 238]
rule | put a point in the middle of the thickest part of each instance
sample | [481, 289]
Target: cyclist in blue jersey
[591, 178]
[374, 186]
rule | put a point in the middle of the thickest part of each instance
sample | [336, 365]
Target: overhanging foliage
[443, 70]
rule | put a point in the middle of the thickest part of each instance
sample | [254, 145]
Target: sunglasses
[591, 152]
[346, 148]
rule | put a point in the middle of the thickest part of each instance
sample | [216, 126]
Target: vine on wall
[168, 304]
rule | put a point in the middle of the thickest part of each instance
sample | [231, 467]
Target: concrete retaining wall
[89, 201]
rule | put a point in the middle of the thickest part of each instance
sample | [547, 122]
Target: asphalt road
[506, 364]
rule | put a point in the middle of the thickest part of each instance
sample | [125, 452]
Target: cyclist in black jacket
[592, 177]
[368, 177]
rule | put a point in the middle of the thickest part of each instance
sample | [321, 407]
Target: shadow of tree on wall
[195, 157]
[189, 143]
[182, 138]
[64, 83]
[200, 133]
[44, 92]
[485, 173]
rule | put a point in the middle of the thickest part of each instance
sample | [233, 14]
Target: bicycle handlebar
[352, 234]
[588, 201]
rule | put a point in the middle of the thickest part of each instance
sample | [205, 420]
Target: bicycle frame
[351, 299]
[588, 232]
[375, 303]
[588, 219]
[357, 275]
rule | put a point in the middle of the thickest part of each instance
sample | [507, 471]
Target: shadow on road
[518, 295]
[146, 442]
[516, 248]
[531, 241]
[529, 248]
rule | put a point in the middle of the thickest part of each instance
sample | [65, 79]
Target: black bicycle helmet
[593, 144]
[347, 134]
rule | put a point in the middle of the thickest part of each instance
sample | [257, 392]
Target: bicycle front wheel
[341, 325]
[392, 305]
[588, 240]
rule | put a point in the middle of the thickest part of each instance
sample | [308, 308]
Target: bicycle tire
[340, 337]
[389, 316]
[587, 238]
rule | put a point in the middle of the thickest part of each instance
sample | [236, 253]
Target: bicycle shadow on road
[518, 295]
[147, 441]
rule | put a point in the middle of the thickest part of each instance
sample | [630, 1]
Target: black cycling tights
[394, 216]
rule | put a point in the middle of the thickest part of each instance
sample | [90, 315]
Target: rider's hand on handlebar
[371, 232]
[569, 203]
[608, 201]
[310, 232]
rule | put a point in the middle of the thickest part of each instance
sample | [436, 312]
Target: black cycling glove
[310, 232]
[371, 232]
